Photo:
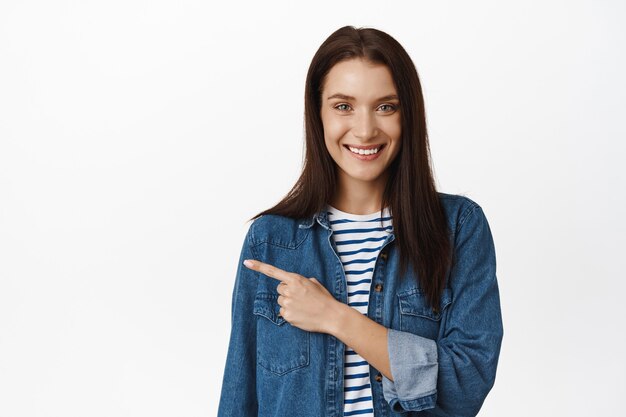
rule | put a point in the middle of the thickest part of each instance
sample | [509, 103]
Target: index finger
[271, 271]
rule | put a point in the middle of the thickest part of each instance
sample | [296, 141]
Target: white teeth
[363, 151]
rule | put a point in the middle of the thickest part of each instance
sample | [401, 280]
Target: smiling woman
[365, 291]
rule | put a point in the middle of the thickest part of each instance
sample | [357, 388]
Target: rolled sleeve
[413, 362]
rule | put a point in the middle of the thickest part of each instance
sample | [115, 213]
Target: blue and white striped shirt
[358, 238]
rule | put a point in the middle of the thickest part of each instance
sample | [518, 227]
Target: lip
[365, 147]
[366, 157]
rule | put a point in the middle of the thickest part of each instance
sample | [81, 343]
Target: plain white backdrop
[138, 137]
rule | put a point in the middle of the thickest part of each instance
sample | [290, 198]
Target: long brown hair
[419, 223]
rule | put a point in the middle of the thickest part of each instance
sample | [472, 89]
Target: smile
[365, 154]
[363, 151]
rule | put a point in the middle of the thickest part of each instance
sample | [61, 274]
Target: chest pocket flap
[414, 303]
[266, 305]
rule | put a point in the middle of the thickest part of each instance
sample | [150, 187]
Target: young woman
[365, 291]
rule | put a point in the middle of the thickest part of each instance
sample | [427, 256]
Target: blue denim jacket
[443, 362]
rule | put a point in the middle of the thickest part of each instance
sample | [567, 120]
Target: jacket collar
[321, 217]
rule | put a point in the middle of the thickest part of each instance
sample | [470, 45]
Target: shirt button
[378, 287]
[379, 377]
[383, 255]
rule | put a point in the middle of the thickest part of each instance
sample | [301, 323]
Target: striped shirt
[358, 239]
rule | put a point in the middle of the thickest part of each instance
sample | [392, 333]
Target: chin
[364, 177]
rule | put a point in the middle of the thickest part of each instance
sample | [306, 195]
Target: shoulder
[277, 230]
[458, 208]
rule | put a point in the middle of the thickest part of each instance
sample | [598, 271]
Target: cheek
[334, 128]
[393, 128]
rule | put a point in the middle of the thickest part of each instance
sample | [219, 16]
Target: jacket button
[379, 377]
[383, 255]
[378, 287]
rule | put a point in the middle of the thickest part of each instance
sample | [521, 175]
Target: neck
[359, 197]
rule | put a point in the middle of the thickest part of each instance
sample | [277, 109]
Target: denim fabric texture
[443, 362]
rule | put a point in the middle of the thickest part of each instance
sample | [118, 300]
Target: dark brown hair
[419, 223]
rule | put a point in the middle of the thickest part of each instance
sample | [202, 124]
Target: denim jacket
[443, 362]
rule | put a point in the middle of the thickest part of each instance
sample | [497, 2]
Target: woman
[365, 291]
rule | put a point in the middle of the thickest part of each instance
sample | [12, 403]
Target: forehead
[360, 79]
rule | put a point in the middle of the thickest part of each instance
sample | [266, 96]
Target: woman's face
[360, 109]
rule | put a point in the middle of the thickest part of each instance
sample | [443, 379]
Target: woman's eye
[342, 107]
[388, 106]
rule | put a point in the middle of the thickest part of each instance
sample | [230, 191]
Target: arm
[364, 335]
[238, 396]
[466, 355]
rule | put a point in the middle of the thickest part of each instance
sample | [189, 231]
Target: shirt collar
[321, 217]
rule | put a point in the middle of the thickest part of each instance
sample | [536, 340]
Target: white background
[137, 138]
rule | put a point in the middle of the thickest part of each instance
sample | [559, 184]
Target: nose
[365, 126]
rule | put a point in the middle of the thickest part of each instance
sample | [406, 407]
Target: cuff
[414, 367]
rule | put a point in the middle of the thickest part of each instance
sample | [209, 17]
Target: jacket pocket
[281, 347]
[417, 317]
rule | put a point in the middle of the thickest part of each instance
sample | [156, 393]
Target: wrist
[338, 316]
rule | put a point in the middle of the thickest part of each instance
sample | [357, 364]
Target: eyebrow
[345, 97]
